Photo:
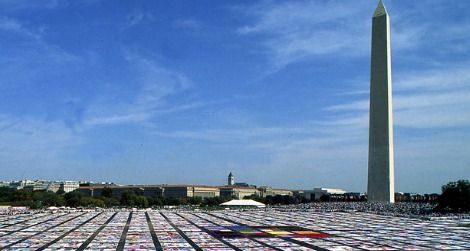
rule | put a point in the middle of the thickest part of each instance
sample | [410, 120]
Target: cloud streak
[35, 146]
[155, 86]
[435, 98]
[297, 31]
[17, 5]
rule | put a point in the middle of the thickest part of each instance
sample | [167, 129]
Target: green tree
[269, 200]
[215, 201]
[278, 199]
[97, 202]
[455, 197]
[141, 201]
[256, 198]
[6, 194]
[325, 198]
[47, 199]
[300, 198]
[86, 201]
[107, 192]
[128, 198]
[111, 202]
[156, 201]
[73, 199]
[171, 201]
[194, 200]
[22, 195]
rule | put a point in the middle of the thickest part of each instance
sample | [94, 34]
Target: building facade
[265, 191]
[318, 192]
[238, 192]
[168, 191]
[69, 186]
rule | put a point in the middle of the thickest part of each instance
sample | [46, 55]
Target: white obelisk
[381, 180]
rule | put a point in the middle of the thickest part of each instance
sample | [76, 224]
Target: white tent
[243, 203]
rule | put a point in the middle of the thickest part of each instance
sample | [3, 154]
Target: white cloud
[155, 84]
[31, 45]
[43, 133]
[355, 105]
[434, 117]
[12, 25]
[446, 99]
[34, 145]
[296, 31]
[445, 77]
[134, 18]
[15, 5]
[137, 17]
[435, 98]
[234, 135]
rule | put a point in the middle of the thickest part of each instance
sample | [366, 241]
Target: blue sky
[186, 91]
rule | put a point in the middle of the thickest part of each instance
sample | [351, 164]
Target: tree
[73, 199]
[325, 198]
[194, 200]
[288, 200]
[141, 201]
[47, 199]
[455, 197]
[110, 202]
[107, 192]
[300, 198]
[86, 201]
[255, 197]
[156, 201]
[277, 199]
[268, 200]
[22, 195]
[6, 194]
[128, 198]
[214, 201]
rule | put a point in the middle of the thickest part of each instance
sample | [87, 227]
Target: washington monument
[381, 178]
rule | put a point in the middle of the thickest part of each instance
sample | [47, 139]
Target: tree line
[455, 197]
[43, 199]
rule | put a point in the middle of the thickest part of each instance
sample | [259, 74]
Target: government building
[231, 190]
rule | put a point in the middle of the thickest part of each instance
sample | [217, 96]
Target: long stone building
[185, 190]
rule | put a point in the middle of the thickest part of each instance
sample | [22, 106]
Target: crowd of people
[403, 209]
[406, 209]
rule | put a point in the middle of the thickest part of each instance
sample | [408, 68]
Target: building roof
[98, 186]
[329, 190]
[243, 203]
[143, 186]
[237, 187]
